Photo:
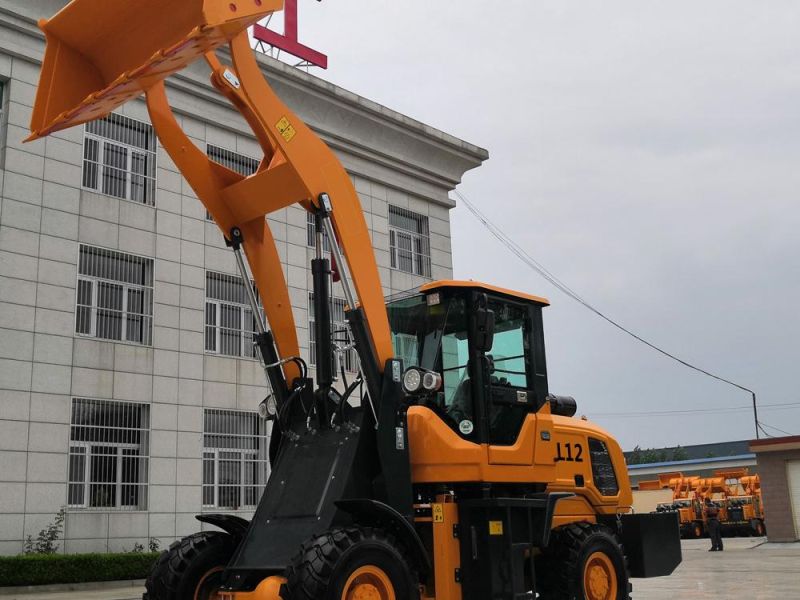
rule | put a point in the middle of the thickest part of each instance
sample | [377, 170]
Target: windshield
[435, 337]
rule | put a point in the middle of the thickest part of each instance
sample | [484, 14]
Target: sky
[647, 153]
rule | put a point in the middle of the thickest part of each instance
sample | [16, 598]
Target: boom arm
[80, 82]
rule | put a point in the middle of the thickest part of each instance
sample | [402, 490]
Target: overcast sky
[648, 153]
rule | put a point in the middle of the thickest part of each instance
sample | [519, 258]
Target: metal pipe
[251, 295]
[349, 296]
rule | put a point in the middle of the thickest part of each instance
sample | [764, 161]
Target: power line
[691, 411]
[775, 428]
[517, 250]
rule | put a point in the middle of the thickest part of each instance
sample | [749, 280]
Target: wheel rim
[599, 578]
[698, 531]
[208, 586]
[368, 583]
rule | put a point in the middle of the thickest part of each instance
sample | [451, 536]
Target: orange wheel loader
[455, 474]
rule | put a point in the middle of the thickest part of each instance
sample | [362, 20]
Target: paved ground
[748, 568]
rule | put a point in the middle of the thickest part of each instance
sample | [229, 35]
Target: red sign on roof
[288, 42]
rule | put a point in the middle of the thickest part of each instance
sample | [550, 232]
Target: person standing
[714, 529]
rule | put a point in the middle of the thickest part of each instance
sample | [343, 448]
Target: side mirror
[484, 329]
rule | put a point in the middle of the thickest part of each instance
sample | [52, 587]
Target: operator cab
[474, 354]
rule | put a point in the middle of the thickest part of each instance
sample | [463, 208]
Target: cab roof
[450, 283]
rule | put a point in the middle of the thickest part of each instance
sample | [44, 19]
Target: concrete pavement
[749, 568]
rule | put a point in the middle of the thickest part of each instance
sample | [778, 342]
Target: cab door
[511, 395]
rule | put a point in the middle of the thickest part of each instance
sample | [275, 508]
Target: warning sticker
[438, 513]
[495, 528]
[286, 129]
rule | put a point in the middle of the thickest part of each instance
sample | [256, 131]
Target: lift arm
[101, 54]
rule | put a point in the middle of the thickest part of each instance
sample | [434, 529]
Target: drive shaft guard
[101, 54]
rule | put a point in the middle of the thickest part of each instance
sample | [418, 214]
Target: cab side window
[510, 394]
[510, 347]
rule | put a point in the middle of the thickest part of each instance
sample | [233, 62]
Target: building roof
[791, 442]
[694, 461]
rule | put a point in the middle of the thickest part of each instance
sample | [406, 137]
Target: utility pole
[755, 415]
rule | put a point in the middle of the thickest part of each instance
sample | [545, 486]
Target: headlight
[412, 380]
[268, 408]
[431, 381]
[416, 380]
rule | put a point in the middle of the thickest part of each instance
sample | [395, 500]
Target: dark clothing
[714, 528]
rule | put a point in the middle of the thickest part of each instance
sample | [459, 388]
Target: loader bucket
[103, 53]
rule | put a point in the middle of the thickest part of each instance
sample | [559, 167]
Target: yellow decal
[286, 129]
[495, 528]
[438, 513]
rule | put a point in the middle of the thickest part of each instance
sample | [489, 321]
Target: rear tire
[351, 562]
[583, 562]
[191, 568]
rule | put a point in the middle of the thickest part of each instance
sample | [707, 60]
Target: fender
[231, 524]
[372, 512]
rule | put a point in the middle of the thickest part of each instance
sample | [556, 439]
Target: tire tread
[165, 577]
[561, 562]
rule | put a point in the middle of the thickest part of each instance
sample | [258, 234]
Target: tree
[636, 456]
[650, 456]
[679, 454]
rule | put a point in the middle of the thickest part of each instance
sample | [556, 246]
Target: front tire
[583, 562]
[191, 569]
[350, 563]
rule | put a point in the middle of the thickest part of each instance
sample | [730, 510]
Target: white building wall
[45, 215]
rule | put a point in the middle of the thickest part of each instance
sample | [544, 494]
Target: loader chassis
[445, 469]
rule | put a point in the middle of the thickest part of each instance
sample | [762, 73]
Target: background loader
[454, 474]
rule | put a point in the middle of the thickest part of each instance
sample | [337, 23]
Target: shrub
[44, 569]
[47, 540]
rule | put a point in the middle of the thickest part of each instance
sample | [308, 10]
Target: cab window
[510, 394]
[510, 347]
[435, 336]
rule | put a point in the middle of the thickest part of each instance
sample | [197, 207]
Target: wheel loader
[454, 474]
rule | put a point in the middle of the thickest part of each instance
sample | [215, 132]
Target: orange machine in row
[736, 493]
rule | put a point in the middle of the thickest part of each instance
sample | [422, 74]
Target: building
[127, 379]
[779, 468]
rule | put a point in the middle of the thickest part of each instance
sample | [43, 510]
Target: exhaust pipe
[564, 406]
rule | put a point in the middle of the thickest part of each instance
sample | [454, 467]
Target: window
[603, 474]
[115, 296]
[509, 375]
[230, 326]
[235, 458]
[435, 336]
[108, 455]
[119, 158]
[244, 165]
[339, 332]
[406, 347]
[510, 345]
[311, 233]
[409, 242]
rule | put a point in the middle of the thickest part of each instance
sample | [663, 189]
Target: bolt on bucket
[103, 53]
